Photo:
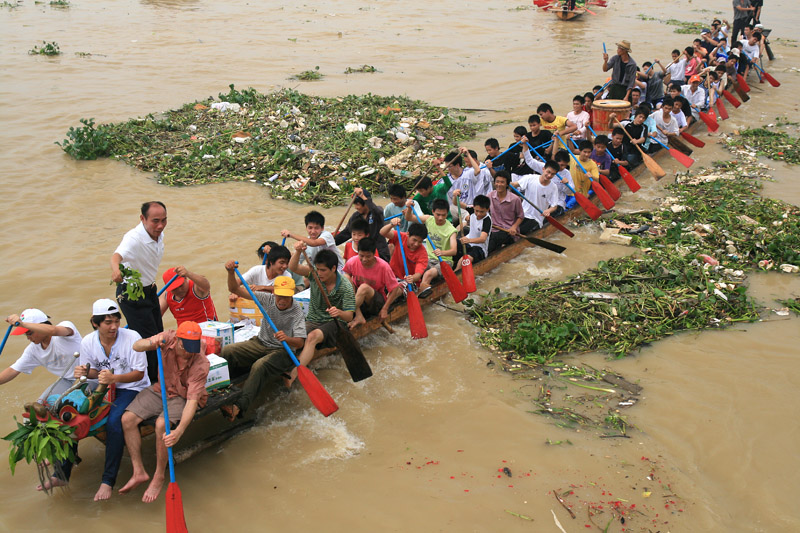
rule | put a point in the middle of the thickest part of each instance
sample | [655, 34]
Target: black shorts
[373, 307]
[476, 253]
[329, 331]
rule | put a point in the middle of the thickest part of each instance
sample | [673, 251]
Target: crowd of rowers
[468, 208]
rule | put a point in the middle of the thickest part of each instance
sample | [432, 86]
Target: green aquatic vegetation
[86, 142]
[362, 68]
[768, 142]
[304, 148]
[47, 49]
[59, 3]
[684, 27]
[309, 75]
[792, 305]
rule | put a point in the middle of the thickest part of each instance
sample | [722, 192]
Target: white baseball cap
[31, 316]
[104, 306]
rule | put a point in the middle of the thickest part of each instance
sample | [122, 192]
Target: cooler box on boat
[304, 299]
[218, 374]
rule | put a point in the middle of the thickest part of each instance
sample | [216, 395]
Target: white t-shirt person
[56, 358]
[330, 244]
[140, 252]
[121, 360]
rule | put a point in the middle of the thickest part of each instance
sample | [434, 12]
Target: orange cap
[189, 333]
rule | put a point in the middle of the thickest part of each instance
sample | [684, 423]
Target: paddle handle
[266, 316]
[659, 142]
[515, 191]
[604, 48]
[573, 155]
[566, 184]
[5, 337]
[393, 216]
[159, 292]
[166, 412]
[353, 199]
[601, 89]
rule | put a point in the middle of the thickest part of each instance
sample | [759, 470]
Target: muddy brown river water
[418, 446]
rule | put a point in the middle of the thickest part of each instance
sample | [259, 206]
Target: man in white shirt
[696, 96]
[666, 125]
[109, 352]
[51, 347]
[543, 193]
[142, 249]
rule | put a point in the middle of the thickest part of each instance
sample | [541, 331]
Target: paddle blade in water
[723, 112]
[629, 180]
[654, 168]
[772, 81]
[602, 194]
[416, 322]
[590, 209]
[710, 122]
[742, 83]
[545, 244]
[467, 275]
[316, 392]
[731, 99]
[456, 289]
[682, 158]
[560, 227]
[353, 357]
[610, 188]
[176, 523]
[692, 139]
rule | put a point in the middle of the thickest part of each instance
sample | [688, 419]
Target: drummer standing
[142, 249]
[623, 75]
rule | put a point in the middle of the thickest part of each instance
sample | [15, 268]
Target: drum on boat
[602, 110]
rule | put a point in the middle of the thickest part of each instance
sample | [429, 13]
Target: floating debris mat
[305, 148]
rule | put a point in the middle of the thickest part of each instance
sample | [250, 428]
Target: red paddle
[742, 83]
[721, 109]
[730, 98]
[601, 193]
[610, 188]
[767, 76]
[632, 184]
[467, 274]
[682, 158]
[416, 322]
[708, 119]
[692, 139]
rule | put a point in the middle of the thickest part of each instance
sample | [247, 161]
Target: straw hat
[626, 45]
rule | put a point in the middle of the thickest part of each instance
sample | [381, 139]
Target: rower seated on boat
[358, 230]
[601, 156]
[582, 180]
[415, 254]
[366, 210]
[188, 297]
[263, 356]
[443, 235]
[479, 227]
[321, 330]
[562, 179]
[619, 152]
[540, 190]
[186, 368]
[397, 204]
[374, 282]
[506, 211]
[261, 278]
[318, 237]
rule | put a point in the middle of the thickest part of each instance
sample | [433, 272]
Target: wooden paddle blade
[601, 193]
[467, 274]
[731, 99]
[416, 322]
[723, 112]
[772, 81]
[654, 168]
[692, 139]
[353, 357]
[629, 180]
[742, 94]
[710, 122]
[545, 244]
[560, 227]
[610, 188]
[742, 83]
[682, 158]
[176, 522]
[316, 392]
[456, 289]
[588, 207]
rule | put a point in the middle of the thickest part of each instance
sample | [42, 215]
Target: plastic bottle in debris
[708, 259]
[403, 173]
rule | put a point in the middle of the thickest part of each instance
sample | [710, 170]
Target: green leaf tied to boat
[305, 148]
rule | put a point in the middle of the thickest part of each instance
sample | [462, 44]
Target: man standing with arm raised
[142, 249]
[623, 75]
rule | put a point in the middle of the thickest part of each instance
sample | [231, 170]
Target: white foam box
[224, 330]
[218, 374]
[304, 299]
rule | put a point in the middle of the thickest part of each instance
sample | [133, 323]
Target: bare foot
[154, 489]
[230, 412]
[359, 319]
[54, 482]
[134, 481]
[289, 381]
[103, 493]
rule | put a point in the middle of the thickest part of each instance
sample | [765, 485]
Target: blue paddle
[5, 337]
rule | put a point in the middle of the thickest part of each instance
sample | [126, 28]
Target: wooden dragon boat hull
[565, 14]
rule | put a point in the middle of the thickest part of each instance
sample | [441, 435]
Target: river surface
[418, 446]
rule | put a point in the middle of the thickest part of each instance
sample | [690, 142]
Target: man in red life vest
[188, 297]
